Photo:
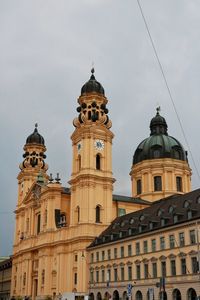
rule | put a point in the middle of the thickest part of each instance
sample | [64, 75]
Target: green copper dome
[159, 144]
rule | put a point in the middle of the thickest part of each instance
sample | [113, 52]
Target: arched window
[139, 186]
[79, 163]
[89, 115]
[24, 279]
[45, 217]
[78, 214]
[43, 277]
[179, 184]
[98, 217]
[38, 223]
[157, 183]
[98, 162]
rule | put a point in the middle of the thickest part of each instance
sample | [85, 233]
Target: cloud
[47, 49]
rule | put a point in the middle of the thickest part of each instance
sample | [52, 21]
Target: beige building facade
[5, 277]
[155, 250]
[56, 224]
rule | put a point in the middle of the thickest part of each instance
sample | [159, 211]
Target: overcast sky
[46, 53]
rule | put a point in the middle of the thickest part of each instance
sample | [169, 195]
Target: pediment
[34, 194]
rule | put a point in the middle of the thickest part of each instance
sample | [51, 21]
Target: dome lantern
[92, 85]
[35, 137]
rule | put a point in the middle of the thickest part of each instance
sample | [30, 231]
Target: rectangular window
[157, 183]
[181, 239]
[75, 257]
[138, 275]
[153, 245]
[139, 186]
[102, 275]
[162, 243]
[154, 269]
[145, 246]
[103, 255]
[194, 265]
[173, 267]
[122, 274]
[192, 237]
[146, 271]
[129, 250]
[91, 276]
[163, 268]
[38, 223]
[121, 212]
[115, 275]
[115, 252]
[92, 257]
[129, 273]
[122, 251]
[179, 184]
[97, 276]
[183, 266]
[75, 278]
[137, 248]
[109, 256]
[108, 275]
[171, 241]
[97, 256]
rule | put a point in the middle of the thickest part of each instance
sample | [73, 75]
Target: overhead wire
[167, 86]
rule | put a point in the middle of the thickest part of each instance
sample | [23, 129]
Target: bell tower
[33, 163]
[92, 179]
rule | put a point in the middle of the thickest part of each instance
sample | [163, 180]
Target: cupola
[92, 86]
[160, 166]
[35, 137]
[159, 144]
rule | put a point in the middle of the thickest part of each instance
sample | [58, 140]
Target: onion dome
[159, 144]
[92, 85]
[35, 137]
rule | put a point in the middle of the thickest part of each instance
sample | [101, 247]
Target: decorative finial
[158, 109]
[51, 178]
[92, 70]
[57, 179]
[36, 126]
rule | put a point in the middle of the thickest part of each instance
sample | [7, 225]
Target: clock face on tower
[99, 144]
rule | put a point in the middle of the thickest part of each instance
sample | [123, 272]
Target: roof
[122, 198]
[159, 144]
[5, 263]
[163, 213]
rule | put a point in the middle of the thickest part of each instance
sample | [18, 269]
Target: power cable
[167, 86]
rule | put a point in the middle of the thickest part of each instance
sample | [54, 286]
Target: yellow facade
[54, 224]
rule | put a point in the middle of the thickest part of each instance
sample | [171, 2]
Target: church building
[59, 230]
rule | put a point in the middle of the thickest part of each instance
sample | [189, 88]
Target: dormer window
[189, 214]
[186, 204]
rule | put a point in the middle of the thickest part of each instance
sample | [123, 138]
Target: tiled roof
[130, 199]
[121, 198]
[163, 213]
